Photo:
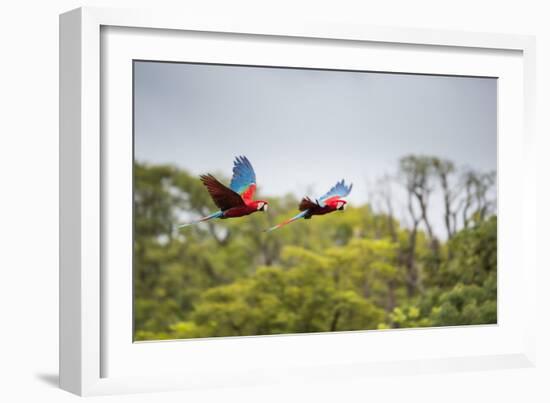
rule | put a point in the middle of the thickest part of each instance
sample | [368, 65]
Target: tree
[478, 202]
[415, 173]
[444, 169]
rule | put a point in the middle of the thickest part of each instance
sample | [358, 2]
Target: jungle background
[374, 266]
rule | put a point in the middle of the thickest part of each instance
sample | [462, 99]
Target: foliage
[342, 271]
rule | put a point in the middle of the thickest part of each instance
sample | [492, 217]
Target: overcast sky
[305, 129]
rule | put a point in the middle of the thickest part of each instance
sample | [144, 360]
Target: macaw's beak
[341, 206]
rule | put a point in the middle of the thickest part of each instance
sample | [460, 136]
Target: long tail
[297, 217]
[217, 214]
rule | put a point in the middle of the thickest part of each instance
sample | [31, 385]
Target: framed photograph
[255, 202]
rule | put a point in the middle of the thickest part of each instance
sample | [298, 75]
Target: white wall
[29, 186]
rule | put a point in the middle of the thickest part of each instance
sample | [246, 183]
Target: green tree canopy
[360, 269]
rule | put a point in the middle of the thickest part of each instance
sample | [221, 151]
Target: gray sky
[305, 129]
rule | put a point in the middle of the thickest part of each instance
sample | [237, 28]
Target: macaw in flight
[329, 202]
[237, 199]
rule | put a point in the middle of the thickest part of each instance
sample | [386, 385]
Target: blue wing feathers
[340, 190]
[243, 174]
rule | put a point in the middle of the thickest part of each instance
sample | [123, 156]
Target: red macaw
[329, 202]
[237, 199]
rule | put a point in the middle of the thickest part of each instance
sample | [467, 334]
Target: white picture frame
[96, 354]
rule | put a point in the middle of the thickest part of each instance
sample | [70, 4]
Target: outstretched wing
[223, 197]
[244, 179]
[296, 217]
[339, 190]
[307, 204]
